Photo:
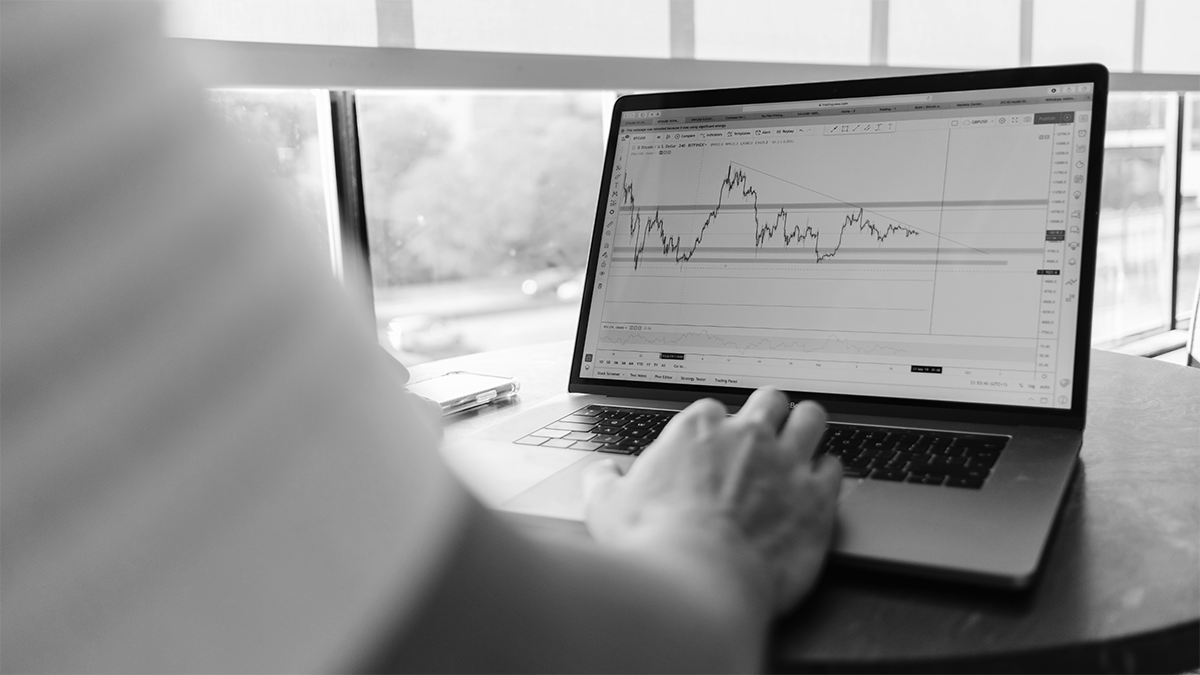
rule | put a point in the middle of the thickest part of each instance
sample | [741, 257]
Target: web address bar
[878, 100]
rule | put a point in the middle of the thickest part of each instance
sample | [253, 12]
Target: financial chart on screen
[909, 246]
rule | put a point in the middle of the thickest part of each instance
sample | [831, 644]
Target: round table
[1119, 589]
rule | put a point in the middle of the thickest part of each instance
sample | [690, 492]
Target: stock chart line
[764, 229]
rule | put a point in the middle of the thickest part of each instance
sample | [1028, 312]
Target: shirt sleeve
[206, 466]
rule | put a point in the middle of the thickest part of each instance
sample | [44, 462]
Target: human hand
[744, 488]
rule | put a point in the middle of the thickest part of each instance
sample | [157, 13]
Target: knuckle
[706, 407]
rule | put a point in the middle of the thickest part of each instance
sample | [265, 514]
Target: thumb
[599, 478]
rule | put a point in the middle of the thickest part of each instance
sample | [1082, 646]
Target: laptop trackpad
[496, 471]
[561, 495]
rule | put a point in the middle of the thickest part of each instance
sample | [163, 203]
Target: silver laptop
[915, 253]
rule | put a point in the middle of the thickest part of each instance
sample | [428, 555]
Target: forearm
[510, 602]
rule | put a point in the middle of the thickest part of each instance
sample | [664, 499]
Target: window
[597, 27]
[978, 34]
[480, 208]
[1071, 31]
[319, 22]
[1133, 283]
[280, 127]
[762, 30]
[1170, 40]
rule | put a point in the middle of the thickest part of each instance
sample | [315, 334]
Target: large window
[479, 202]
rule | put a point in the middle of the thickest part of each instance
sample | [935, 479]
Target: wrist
[717, 563]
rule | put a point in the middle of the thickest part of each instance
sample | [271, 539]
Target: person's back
[206, 467]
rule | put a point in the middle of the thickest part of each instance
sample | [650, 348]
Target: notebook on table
[915, 253]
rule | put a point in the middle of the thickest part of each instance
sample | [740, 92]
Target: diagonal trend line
[876, 213]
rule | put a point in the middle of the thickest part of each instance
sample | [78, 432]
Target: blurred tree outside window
[279, 128]
[480, 208]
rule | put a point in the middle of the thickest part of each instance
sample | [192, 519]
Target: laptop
[915, 253]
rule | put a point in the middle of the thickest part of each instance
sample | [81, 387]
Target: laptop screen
[919, 246]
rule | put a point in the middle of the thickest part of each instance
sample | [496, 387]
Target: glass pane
[807, 31]
[316, 22]
[1170, 44]
[1069, 31]
[280, 128]
[1133, 256]
[954, 34]
[480, 208]
[1189, 212]
[595, 27]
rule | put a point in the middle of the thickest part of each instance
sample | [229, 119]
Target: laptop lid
[915, 246]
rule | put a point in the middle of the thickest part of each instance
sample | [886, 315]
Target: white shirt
[205, 466]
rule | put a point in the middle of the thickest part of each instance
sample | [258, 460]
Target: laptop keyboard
[603, 428]
[916, 456]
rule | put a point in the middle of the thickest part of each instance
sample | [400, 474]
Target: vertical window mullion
[394, 23]
[879, 32]
[352, 225]
[1139, 34]
[1177, 212]
[1026, 47]
[329, 180]
[683, 29]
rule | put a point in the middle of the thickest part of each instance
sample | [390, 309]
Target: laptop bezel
[1073, 417]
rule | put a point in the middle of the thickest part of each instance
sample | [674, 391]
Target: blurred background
[469, 134]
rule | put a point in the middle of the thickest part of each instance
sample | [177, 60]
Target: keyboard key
[851, 472]
[585, 445]
[531, 440]
[993, 443]
[607, 429]
[606, 438]
[964, 482]
[570, 426]
[617, 449]
[881, 474]
[550, 433]
[580, 419]
[558, 443]
[926, 480]
[579, 436]
[978, 462]
[947, 469]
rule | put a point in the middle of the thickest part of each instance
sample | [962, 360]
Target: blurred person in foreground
[206, 467]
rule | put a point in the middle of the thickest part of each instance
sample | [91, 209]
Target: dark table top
[1119, 590]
